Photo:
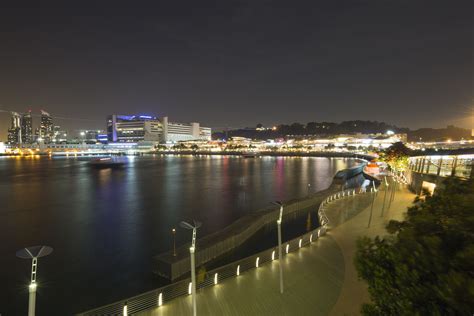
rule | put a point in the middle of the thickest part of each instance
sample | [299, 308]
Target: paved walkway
[354, 292]
[320, 279]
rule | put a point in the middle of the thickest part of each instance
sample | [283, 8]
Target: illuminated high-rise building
[59, 135]
[46, 128]
[26, 128]
[14, 132]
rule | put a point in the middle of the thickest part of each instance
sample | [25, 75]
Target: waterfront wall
[231, 237]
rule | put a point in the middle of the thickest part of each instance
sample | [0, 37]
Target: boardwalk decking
[320, 279]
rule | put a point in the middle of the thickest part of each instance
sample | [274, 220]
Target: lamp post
[279, 244]
[374, 195]
[384, 196]
[33, 253]
[193, 266]
[174, 241]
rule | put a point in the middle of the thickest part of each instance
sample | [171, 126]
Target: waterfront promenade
[320, 279]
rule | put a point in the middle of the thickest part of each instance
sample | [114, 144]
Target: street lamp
[191, 252]
[374, 195]
[384, 196]
[280, 204]
[33, 253]
[174, 241]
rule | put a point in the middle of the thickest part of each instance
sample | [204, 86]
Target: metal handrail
[157, 297]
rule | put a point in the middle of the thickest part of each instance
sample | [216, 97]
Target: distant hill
[439, 134]
[328, 129]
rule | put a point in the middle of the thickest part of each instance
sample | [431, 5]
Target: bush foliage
[425, 266]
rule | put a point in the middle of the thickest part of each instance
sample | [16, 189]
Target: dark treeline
[328, 129]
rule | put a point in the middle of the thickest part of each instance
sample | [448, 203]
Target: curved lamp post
[33, 253]
[280, 204]
[193, 266]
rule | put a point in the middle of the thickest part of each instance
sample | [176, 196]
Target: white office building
[175, 132]
[135, 128]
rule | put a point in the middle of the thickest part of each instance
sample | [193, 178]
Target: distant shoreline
[274, 154]
[210, 153]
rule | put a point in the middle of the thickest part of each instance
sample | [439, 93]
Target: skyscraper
[46, 127]
[59, 135]
[27, 128]
[14, 132]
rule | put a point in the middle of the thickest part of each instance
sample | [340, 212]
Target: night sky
[239, 63]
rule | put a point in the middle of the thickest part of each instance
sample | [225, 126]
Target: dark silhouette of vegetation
[425, 266]
[439, 134]
[327, 129]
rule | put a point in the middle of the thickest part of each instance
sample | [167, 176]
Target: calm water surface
[105, 225]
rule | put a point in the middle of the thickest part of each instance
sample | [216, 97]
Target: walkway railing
[163, 295]
[461, 166]
[323, 219]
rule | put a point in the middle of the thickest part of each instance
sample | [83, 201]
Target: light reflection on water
[105, 225]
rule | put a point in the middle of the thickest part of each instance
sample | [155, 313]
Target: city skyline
[83, 124]
[239, 64]
[242, 157]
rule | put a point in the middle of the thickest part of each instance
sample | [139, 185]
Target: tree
[160, 147]
[396, 156]
[425, 266]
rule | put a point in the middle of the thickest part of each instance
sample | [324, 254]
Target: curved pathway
[354, 292]
[320, 279]
[313, 278]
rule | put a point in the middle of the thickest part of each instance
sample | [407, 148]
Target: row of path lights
[36, 252]
[192, 249]
[192, 284]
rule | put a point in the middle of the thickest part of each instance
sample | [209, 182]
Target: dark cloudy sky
[238, 63]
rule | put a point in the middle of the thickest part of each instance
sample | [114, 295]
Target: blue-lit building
[133, 128]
